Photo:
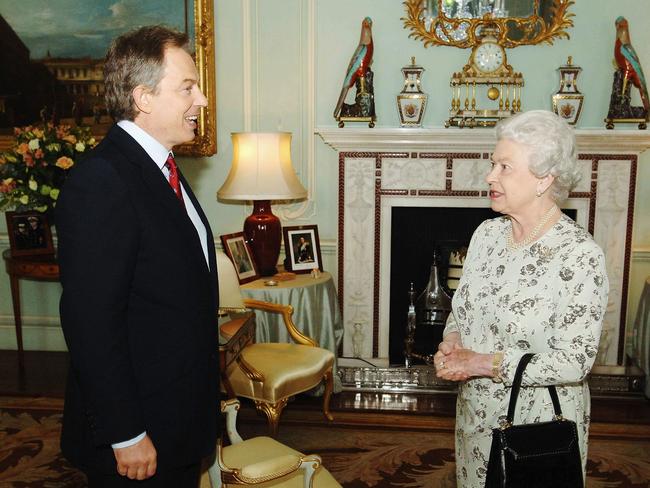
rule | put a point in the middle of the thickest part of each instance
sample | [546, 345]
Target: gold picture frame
[205, 142]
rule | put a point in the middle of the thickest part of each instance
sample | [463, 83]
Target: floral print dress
[547, 298]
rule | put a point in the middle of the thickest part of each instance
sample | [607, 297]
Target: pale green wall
[267, 69]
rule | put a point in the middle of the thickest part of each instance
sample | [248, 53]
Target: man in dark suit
[139, 281]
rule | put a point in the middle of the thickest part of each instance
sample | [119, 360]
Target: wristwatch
[497, 359]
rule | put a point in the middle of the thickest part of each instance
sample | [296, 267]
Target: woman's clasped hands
[455, 363]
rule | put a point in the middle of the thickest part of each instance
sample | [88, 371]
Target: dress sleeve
[451, 325]
[573, 329]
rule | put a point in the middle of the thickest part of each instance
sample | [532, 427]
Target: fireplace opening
[415, 233]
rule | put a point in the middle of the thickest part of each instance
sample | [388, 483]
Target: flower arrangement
[32, 172]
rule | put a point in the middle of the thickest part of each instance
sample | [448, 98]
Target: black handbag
[544, 454]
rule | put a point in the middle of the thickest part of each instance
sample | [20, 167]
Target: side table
[316, 312]
[39, 267]
[230, 346]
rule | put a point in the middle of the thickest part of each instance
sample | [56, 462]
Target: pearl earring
[539, 193]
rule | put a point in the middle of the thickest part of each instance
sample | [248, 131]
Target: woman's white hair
[551, 147]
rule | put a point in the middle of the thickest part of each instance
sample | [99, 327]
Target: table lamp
[261, 171]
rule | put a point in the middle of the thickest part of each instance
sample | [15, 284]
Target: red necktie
[173, 178]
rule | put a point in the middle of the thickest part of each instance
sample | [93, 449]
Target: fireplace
[384, 170]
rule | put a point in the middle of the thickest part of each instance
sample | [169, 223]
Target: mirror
[456, 22]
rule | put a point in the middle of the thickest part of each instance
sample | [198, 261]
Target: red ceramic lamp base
[263, 232]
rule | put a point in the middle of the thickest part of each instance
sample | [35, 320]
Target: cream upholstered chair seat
[271, 373]
[264, 462]
[288, 369]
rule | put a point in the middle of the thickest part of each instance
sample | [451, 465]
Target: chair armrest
[287, 313]
[270, 470]
[310, 464]
[248, 369]
[230, 408]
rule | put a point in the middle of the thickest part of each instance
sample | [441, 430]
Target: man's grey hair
[133, 59]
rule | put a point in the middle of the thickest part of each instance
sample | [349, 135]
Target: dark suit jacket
[137, 311]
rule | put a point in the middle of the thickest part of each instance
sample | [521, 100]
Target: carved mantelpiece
[384, 168]
[388, 140]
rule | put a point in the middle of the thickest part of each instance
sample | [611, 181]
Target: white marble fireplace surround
[384, 168]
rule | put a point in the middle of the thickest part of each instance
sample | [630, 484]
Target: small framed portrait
[29, 233]
[241, 256]
[302, 248]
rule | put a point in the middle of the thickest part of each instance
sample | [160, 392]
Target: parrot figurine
[628, 62]
[359, 63]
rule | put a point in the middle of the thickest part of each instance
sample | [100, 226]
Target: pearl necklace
[514, 246]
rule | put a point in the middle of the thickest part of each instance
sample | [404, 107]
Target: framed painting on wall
[53, 55]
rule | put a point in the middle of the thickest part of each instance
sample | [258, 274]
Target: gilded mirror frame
[533, 29]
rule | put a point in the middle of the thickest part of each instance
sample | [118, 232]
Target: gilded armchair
[271, 373]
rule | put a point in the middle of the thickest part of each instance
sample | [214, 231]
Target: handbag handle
[516, 385]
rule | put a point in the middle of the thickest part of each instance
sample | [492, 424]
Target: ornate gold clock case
[487, 89]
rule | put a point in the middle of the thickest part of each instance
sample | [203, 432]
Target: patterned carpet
[29, 445]
[380, 457]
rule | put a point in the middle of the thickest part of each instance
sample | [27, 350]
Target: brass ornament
[533, 29]
[487, 67]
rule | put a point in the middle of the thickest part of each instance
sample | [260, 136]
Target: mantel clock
[487, 89]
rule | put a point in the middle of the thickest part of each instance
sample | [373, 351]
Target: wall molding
[305, 210]
[39, 333]
[43, 333]
[641, 255]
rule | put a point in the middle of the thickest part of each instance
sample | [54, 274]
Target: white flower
[80, 147]
[33, 144]
[24, 199]
[33, 185]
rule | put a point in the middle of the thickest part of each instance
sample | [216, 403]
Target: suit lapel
[162, 192]
[197, 206]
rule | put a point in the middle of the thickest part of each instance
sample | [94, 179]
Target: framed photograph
[241, 256]
[29, 233]
[302, 248]
[56, 74]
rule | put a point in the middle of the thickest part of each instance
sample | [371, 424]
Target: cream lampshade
[261, 171]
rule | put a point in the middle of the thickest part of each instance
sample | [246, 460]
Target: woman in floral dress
[533, 281]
